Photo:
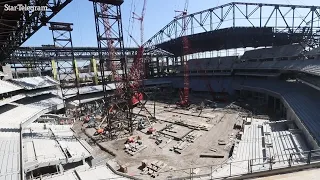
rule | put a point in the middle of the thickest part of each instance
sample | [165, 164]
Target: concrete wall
[199, 84]
[292, 116]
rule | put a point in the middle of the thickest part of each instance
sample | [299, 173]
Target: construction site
[231, 92]
[173, 138]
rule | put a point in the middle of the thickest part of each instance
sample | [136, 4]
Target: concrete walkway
[306, 175]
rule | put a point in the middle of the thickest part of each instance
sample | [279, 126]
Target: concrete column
[93, 65]
[76, 71]
[29, 69]
[175, 61]
[167, 61]
[41, 68]
[61, 168]
[158, 65]
[54, 69]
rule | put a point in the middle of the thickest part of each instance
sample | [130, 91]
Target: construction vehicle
[151, 130]
[142, 125]
[134, 139]
[100, 131]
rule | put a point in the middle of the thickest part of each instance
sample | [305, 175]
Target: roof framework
[46, 53]
[281, 17]
[18, 26]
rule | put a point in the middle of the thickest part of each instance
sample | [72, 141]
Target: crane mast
[118, 106]
[184, 96]
[113, 65]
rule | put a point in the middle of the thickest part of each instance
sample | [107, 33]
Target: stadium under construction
[231, 92]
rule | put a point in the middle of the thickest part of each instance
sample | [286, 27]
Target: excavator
[151, 128]
[100, 131]
[141, 125]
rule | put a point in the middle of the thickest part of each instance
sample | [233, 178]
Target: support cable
[130, 20]
[80, 29]
[132, 23]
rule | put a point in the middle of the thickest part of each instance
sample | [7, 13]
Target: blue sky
[158, 14]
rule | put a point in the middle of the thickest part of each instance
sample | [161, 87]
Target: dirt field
[210, 126]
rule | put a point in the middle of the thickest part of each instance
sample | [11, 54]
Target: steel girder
[28, 24]
[283, 18]
[31, 63]
[41, 57]
[46, 53]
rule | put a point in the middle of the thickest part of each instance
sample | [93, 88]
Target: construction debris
[165, 144]
[153, 168]
[191, 137]
[221, 142]
[177, 130]
[195, 171]
[198, 127]
[124, 168]
[211, 156]
[180, 146]
[134, 148]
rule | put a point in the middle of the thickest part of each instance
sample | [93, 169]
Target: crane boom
[136, 72]
[141, 19]
[186, 4]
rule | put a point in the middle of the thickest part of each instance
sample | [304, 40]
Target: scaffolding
[117, 106]
[66, 70]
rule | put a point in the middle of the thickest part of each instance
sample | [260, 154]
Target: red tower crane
[136, 72]
[184, 95]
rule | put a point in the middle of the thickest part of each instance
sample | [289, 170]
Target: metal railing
[237, 168]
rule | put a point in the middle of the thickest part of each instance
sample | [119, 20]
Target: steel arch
[282, 17]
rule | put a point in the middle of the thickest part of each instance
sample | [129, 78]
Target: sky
[158, 14]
